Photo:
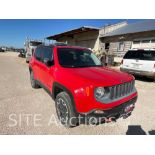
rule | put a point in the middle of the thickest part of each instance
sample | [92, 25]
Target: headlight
[99, 92]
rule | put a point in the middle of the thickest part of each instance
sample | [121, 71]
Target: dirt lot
[24, 110]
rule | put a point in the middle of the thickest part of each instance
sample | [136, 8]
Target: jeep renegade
[80, 85]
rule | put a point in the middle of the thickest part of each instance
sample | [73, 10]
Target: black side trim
[30, 69]
[44, 87]
[56, 84]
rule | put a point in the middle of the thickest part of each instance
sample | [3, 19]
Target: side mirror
[48, 62]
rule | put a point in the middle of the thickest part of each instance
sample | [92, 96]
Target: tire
[65, 110]
[33, 81]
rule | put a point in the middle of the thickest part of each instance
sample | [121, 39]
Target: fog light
[99, 112]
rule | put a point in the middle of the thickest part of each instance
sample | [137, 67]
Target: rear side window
[140, 55]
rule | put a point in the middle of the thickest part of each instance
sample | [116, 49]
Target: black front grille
[121, 90]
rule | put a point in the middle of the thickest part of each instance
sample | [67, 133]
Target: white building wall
[144, 43]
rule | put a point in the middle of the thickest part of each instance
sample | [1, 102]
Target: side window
[38, 54]
[48, 53]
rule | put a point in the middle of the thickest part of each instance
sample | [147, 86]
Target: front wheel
[65, 110]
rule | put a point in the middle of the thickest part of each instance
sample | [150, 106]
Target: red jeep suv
[81, 86]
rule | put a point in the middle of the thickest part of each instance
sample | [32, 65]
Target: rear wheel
[33, 81]
[65, 110]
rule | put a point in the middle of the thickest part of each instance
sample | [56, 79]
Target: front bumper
[114, 113]
[138, 72]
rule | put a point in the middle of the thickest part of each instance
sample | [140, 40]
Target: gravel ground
[24, 110]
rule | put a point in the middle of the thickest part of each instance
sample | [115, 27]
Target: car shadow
[137, 130]
[152, 132]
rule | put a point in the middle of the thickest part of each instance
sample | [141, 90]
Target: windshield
[70, 57]
[140, 55]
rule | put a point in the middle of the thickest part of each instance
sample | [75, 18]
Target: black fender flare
[56, 84]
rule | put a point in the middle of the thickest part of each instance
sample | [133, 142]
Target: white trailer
[30, 46]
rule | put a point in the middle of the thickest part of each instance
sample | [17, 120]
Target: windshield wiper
[89, 66]
[68, 66]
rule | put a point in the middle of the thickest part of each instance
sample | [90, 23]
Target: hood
[99, 76]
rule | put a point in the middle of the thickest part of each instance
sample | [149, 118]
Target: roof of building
[147, 25]
[73, 31]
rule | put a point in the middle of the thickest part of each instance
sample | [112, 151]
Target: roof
[73, 31]
[147, 25]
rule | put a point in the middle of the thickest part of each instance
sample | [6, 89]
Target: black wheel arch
[61, 88]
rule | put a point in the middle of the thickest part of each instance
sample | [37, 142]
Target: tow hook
[110, 119]
[126, 115]
[129, 108]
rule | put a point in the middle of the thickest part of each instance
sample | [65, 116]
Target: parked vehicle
[139, 62]
[81, 86]
[1, 50]
[4, 48]
[30, 46]
[22, 54]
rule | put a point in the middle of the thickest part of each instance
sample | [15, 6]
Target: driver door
[47, 71]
